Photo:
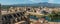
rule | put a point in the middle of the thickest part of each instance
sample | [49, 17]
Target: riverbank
[54, 22]
[48, 23]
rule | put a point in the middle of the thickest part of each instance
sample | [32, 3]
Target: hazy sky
[9, 2]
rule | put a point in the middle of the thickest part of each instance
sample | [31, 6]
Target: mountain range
[44, 4]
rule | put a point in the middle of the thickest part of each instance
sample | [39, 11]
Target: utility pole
[0, 15]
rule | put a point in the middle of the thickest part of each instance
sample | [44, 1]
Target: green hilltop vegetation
[5, 7]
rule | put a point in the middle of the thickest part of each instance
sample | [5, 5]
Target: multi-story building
[0, 15]
[0, 9]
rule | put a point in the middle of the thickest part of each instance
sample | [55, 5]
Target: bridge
[12, 18]
[17, 17]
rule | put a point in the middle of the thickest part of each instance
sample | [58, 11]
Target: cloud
[50, 1]
[35, 1]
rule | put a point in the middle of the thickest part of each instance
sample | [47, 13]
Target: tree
[54, 16]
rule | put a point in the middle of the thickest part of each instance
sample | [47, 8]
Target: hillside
[44, 4]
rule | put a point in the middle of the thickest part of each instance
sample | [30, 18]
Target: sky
[9, 2]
